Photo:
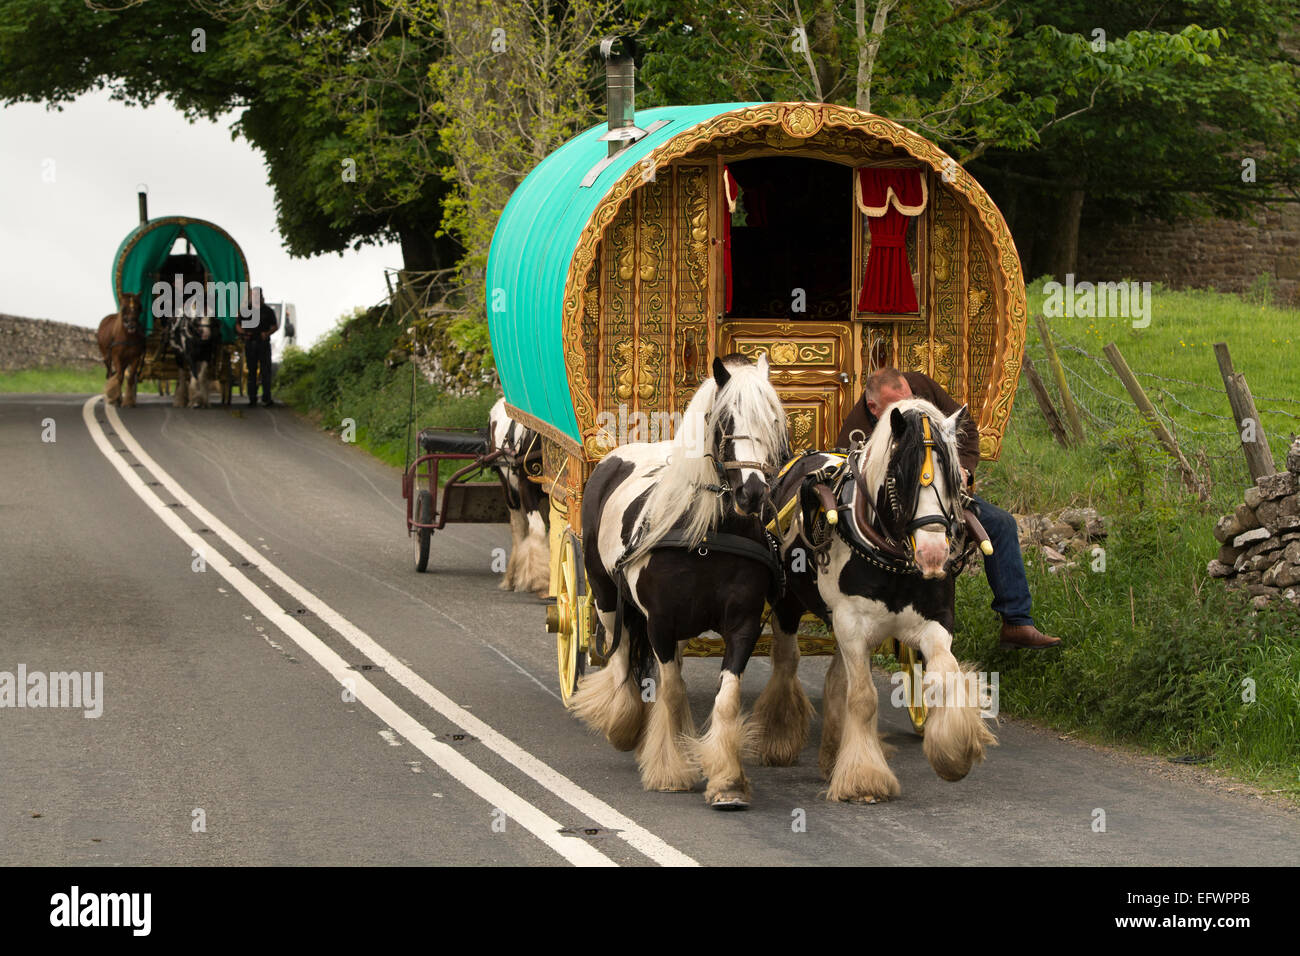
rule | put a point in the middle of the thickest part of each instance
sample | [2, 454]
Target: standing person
[1004, 568]
[256, 331]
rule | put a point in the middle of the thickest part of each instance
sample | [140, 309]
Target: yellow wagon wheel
[913, 669]
[569, 618]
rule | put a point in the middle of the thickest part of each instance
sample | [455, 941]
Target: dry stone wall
[1228, 255]
[41, 343]
[1260, 540]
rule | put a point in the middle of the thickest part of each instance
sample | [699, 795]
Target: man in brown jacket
[1004, 568]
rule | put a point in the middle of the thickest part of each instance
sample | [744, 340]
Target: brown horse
[121, 342]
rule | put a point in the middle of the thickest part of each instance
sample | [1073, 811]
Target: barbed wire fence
[1196, 414]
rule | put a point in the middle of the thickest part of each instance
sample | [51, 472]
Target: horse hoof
[729, 800]
[866, 799]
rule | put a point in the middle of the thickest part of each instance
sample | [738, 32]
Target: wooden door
[812, 369]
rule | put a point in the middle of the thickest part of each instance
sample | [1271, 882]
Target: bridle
[728, 472]
[869, 534]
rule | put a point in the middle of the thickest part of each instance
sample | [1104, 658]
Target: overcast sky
[57, 239]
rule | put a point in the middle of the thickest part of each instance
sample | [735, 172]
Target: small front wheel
[423, 515]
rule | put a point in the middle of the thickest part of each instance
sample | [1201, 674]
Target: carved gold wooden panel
[981, 333]
[691, 233]
[946, 347]
[814, 416]
[654, 257]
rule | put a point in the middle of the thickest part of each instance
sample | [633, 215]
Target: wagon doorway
[788, 238]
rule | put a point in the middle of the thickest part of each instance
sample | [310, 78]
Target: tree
[331, 92]
[512, 83]
[1152, 113]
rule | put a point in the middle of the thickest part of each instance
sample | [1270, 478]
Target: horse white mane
[680, 496]
[875, 455]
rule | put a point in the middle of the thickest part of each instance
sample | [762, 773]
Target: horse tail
[641, 657]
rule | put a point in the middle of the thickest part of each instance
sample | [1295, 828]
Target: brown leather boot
[1013, 636]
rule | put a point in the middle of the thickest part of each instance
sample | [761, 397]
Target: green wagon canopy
[143, 252]
[534, 242]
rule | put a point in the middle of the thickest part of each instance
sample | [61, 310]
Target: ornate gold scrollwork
[803, 428]
[802, 120]
[784, 353]
[625, 368]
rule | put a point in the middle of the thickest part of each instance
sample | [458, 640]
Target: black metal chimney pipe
[144, 207]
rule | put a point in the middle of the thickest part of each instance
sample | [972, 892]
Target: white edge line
[448, 758]
[597, 810]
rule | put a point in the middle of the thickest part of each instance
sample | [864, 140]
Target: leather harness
[721, 541]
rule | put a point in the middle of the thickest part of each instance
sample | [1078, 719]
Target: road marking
[597, 810]
[447, 757]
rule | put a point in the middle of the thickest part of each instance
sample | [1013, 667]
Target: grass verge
[1155, 652]
[64, 380]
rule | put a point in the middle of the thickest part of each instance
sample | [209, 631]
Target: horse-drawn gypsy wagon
[207, 285]
[834, 241]
[821, 240]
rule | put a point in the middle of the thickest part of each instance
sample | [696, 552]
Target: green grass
[1155, 652]
[54, 380]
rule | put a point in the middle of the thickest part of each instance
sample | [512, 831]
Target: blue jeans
[1005, 568]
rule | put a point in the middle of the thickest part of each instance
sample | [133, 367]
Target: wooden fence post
[1149, 412]
[1045, 403]
[1259, 457]
[1058, 372]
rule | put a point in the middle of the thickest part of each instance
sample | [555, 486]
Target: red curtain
[887, 285]
[731, 191]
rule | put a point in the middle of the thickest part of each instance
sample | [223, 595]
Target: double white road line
[474, 778]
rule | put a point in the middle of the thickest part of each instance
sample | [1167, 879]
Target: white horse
[675, 526]
[888, 572]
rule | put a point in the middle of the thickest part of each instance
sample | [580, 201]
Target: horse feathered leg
[664, 762]
[182, 396]
[955, 733]
[518, 531]
[533, 570]
[609, 701]
[113, 390]
[860, 772]
[783, 711]
[834, 693]
[129, 373]
[201, 386]
[720, 752]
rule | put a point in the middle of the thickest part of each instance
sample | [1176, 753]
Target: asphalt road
[308, 698]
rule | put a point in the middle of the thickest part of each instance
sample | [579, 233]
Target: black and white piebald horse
[194, 340]
[884, 569]
[529, 563]
[676, 527]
